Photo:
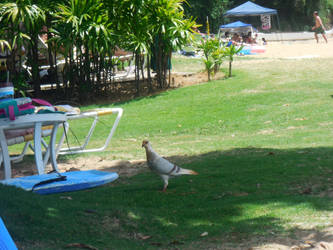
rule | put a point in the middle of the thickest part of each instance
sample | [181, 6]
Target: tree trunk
[159, 70]
[56, 72]
[169, 67]
[137, 72]
[150, 86]
[230, 63]
[50, 55]
[87, 70]
[165, 59]
[34, 64]
[142, 59]
[12, 56]
[216, 68]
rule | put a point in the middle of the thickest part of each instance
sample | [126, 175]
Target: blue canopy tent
[234, 25]
[251, 9]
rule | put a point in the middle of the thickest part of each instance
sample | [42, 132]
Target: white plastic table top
[35, 121]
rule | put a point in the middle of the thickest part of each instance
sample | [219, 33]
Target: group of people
[242, 39]
[238, 39]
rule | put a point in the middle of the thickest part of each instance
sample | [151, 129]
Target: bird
[162, 166]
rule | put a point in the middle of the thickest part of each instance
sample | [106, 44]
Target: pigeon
[163, 167]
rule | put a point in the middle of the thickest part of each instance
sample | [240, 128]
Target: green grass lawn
[261, 142]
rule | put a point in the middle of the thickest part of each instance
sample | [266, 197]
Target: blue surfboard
[77, 180]
[6, 242]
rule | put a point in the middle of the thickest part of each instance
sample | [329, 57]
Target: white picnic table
[35, 121]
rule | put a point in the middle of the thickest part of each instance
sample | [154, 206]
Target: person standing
[319, 27]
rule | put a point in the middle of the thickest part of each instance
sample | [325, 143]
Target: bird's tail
[187, 171]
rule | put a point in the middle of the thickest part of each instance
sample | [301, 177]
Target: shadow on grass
[153, 95]
[239, 195]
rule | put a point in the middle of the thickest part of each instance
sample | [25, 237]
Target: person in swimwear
[319, 27]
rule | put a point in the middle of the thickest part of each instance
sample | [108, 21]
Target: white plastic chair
[129, 69]
[95, 114]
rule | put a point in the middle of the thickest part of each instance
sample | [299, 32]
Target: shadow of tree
[231, 182]
[243, 197]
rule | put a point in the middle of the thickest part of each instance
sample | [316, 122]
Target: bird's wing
[162, 166]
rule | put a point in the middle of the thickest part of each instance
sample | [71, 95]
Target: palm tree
[4, 45]
[84, 35]
[212, 54]
[230, 52]
[170, 30]
[24, 21]
[130, 22]
[152, 27]
[49, 8]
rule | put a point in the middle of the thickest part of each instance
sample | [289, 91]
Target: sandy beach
[301, 49]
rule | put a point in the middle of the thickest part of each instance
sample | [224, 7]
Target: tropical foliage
[21, 22]
[230, 52]
[295, 15]
[213, 54]
[83, 35]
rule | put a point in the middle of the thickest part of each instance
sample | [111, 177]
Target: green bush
[213, 51]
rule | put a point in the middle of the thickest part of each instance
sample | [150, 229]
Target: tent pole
[279, 28]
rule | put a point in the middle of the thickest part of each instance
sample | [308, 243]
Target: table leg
[46, 154]
[5, 155]
[52, 147]
[63, 137]
[38, 148]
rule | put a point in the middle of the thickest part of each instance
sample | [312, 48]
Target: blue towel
[76, 180]
[6, 242]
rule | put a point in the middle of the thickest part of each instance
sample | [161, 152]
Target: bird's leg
[165, 187]
[166, 182]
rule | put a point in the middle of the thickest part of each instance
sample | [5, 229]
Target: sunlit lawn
[261, 141]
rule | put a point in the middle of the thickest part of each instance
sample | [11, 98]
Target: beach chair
[129, 70]
[94, 115]
[6, 241]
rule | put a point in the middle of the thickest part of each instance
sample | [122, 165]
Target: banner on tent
[265, 22]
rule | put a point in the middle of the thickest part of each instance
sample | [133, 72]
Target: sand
[298, 49]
